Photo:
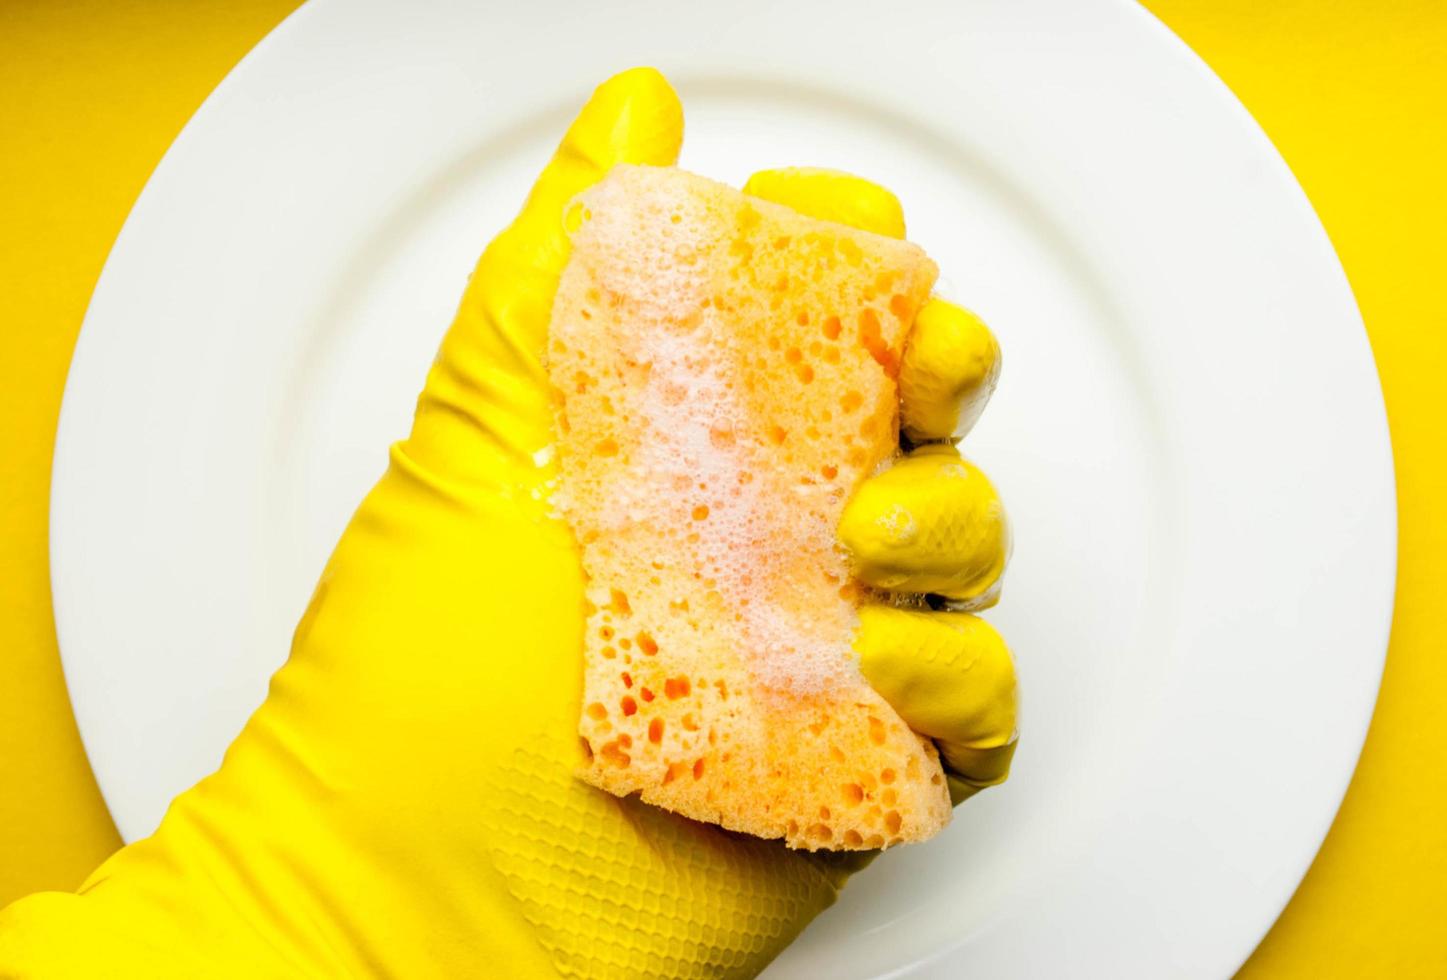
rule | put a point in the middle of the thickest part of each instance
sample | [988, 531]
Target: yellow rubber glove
[403, 802]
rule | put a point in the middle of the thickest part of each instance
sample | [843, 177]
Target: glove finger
[949, 370]
[931, 523]
[831, 195]
[950, 676]
[486, 410]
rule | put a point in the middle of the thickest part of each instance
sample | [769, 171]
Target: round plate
[1189, 431]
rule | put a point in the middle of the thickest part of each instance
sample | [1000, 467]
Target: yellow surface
[1351, 92]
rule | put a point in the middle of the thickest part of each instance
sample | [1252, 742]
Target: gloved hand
[403, 802]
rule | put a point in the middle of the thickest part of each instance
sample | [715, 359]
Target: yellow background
[1354, 94]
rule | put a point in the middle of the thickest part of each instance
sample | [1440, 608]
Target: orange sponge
[725, 369]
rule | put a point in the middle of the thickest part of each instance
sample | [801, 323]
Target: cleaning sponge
[725, 371]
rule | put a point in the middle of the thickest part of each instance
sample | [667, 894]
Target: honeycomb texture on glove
[725, 368]
[616, 888]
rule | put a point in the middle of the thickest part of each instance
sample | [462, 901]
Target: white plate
[1189, 432]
